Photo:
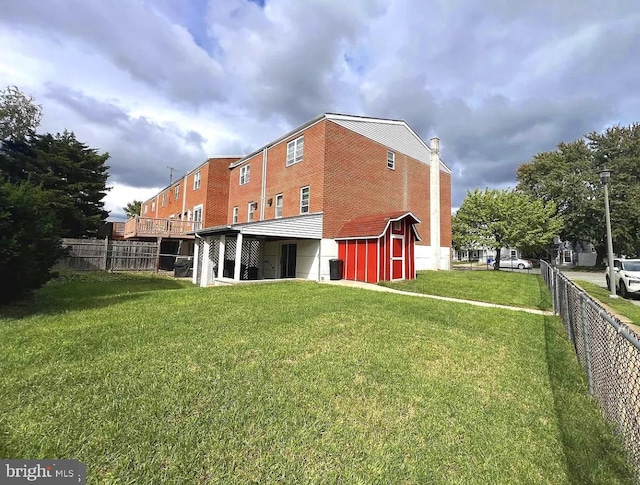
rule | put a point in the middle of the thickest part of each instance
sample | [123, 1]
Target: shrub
[29, 239]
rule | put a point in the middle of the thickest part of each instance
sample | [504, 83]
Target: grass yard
[619, 305]
[150, 380]
[500, 287]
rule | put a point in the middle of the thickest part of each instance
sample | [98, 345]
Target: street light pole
[605, 176]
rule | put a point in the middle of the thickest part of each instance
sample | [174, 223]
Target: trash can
[335, 269]
[183, 268]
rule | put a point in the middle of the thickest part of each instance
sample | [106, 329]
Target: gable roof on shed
[375, 226]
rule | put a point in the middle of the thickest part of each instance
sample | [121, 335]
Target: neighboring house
[172, 215]
[567, 255]
[483, 255]
[368, 191]
[200, 197]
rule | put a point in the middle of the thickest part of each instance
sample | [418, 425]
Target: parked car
[626, 274]
[518, 263]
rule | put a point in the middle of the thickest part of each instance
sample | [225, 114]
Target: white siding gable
[393, 134]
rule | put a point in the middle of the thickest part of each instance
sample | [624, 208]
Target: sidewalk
[372, 287]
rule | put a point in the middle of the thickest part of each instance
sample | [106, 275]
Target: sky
[168, 83]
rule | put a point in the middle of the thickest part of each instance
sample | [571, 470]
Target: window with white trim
[295, 149]
[397, 226]
[391, 160]
[196, 180]
[304, 199]
[164, 199]
[153, 206]
[197, 213]
[235, 215]
[279, 201]
[146, 206]
[251, 208]
[245, 173]
[176, 192]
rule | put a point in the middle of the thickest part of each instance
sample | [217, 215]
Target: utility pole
[171, 170]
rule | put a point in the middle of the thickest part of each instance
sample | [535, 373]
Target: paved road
[595, 278]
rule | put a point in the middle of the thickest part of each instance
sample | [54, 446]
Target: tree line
[559, 195]
[51, 186]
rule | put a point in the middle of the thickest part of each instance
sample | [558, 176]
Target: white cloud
[120, 195]
[160, 83]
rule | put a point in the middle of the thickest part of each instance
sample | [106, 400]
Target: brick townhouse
[368, 192]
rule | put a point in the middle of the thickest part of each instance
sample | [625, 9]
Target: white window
[251, 208]
[153, 206]
[145, 208]
[176, 192]
[245, 172]
[196, 180]
[197, 213]
[279, 200]
[294, 151]
[235, 215]
[304, 200]
[391, 160]
[164, 199]
[513, 254]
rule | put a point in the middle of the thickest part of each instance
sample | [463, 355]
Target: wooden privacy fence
[102, 254]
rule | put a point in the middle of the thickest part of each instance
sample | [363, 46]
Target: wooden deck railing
[149, 227]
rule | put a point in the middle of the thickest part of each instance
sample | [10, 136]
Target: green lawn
[619, 305]
[149, 380]
[500, 287]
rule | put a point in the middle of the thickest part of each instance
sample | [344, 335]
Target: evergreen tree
[73, 175]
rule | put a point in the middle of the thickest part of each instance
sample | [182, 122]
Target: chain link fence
[609, 352]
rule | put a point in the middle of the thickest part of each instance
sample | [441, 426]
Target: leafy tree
[73, 175]
[29, 239]
[569, 177]
[504, 218]
[19, 115]
[618, 149]
[132, 209]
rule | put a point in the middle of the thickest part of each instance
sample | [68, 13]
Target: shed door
[397, 257]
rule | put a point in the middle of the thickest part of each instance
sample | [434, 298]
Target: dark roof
[373, 226]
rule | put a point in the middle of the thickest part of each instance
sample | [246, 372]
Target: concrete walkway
[372, 287]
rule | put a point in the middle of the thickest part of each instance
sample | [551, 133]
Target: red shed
[379, 248]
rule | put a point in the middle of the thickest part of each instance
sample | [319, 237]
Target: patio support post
[206, 262]
[196, 249]
[221, 250]
[236, 269]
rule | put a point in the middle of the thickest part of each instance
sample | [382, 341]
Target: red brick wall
[358, 182]
[241, 195]
[445, 209]
[282, 179]
[212, 194]
[217, 192]
[172, 207]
